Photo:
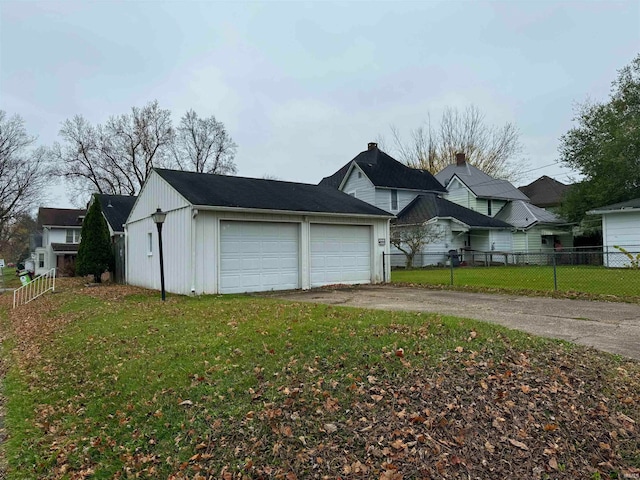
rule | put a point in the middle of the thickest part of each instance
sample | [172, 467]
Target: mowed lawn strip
[619, 282]
[109, 382]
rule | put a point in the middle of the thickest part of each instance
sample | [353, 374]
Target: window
[359, 174]
[394, 199]
[73, 235]
[41, 260]
[489, 207]
[149, 243]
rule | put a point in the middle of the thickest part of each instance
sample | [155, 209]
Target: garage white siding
[259, 256]
[340, 254]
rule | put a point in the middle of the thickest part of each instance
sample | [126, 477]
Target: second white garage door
[340, 254]
[258, 256]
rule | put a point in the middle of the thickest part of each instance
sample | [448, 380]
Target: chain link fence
[585, 270]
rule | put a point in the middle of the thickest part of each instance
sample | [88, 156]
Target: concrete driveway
[612, 327]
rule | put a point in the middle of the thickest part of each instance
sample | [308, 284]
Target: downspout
[126, 255]
[194, 214]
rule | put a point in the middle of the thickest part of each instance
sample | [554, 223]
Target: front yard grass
[109, 382]
[620, 282]
[9, 278]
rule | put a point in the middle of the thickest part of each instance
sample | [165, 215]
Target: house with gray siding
[377, 178]
[415, 195]
[472, 188]
[536, 231]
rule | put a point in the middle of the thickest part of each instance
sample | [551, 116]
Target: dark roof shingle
[116, 209]
[60, 217]
[427, 206]
[545, 191]
[255, 193]
[384, 171]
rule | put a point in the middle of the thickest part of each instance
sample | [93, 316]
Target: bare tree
[204, 145]
[116, 157]
[494, 150]
[23, 173]
[411, 239]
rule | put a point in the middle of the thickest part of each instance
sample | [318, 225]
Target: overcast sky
[302, 87]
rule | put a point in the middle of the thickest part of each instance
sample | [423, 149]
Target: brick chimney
[372, 146]
[460, 159]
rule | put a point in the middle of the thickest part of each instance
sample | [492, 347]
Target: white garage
[259, 256]
[340, 254]
[225, 234]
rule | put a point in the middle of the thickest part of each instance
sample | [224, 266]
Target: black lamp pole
[158, 218]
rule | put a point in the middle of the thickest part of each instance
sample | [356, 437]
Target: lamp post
[158, 217]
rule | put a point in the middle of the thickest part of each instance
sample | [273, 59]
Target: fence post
[451, 267]
[555, 273]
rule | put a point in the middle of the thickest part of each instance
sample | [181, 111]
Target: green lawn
[9, 278]
[109, 382]
[586, 279]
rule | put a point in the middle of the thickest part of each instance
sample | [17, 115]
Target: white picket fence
[35, 288]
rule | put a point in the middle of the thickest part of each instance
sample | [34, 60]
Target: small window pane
[394, 199]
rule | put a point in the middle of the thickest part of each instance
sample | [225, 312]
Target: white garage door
[340, 254]
[258, 256]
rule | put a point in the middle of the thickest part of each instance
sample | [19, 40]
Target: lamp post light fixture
[158, 217]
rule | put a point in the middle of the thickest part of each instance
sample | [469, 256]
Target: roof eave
[289, 212]
[617, 210]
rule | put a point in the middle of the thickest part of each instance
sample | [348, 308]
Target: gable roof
[628, 206]
[116, 209]
[60, 217]
[206, 189]
[545, 191]
[481, 184]
[427, 206]
[385, 171]
[522, 214]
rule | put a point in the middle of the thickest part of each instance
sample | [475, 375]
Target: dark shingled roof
[60, 217]
[427, 206]
[545, 191]
[116, 209]
[385, 171]
[240, 192]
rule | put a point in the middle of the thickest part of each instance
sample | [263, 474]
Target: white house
[58, 239]
[535, 230]
[225, 234]
[415, 196]
[458, 227]
[620, 228]
[378, 179]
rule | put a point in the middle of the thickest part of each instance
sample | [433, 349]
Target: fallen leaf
[518, 444]
[330, 427]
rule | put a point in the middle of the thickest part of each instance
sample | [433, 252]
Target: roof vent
[460, 159]
[372, 145]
